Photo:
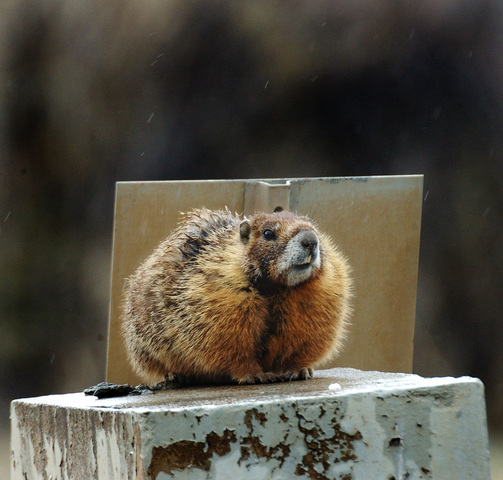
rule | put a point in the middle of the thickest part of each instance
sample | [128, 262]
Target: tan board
[376, 222]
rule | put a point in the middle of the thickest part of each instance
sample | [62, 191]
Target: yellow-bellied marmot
[258, 300]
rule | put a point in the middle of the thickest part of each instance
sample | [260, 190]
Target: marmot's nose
[309, 240]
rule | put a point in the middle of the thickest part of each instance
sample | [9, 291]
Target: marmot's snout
[309, 240]
[301, 257]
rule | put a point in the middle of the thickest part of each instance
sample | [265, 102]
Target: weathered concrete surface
[344, 424]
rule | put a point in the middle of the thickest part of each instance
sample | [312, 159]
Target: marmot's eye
[269, 235]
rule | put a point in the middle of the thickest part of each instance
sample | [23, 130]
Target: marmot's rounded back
[223, 299]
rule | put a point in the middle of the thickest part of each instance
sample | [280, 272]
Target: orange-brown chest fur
[280, 327]
[304, 325]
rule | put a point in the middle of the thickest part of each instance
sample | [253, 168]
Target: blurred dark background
[94, 92]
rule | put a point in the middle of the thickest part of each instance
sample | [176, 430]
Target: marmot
[222, 299]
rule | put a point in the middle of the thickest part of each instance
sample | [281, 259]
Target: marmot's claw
[306, 374]
[303, 374]
[247, 380]
[267, 377]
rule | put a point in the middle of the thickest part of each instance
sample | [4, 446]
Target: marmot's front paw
[266, 377]
[303, 374]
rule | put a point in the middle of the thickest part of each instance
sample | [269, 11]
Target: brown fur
[216, 302]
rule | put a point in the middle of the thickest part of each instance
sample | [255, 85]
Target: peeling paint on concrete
[187, 454]
[377, 425]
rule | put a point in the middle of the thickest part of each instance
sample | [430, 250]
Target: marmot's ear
[244, 230]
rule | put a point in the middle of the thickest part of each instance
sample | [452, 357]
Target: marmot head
[283, 248]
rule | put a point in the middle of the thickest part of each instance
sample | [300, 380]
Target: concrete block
[344, 424]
